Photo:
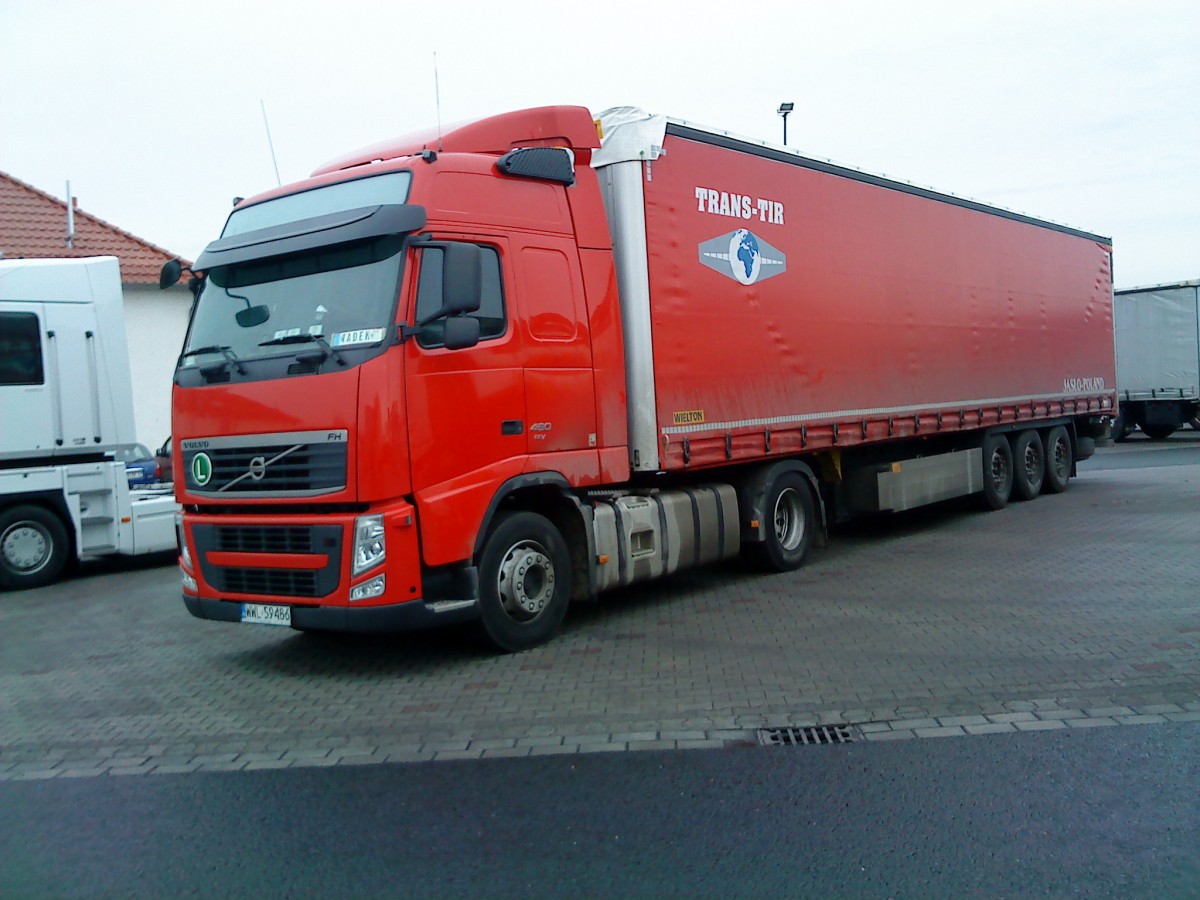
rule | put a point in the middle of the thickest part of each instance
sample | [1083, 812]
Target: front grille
[264, 539]
[284, 465]
[280, 582]
[279, 541]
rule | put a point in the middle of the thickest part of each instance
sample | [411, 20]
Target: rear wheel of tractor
[791, 517]
[997, 471]
[33, 547]
[1029, 465]
[524, 581]
[1158, 432]
[1058, 460]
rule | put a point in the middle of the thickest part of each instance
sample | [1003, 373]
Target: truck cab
[391, 349]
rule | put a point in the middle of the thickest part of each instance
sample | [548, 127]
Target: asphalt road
[1097, 813]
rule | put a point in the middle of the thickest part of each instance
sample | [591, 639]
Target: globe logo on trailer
[743, 256]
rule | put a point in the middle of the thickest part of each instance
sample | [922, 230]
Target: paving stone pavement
[1074, 611]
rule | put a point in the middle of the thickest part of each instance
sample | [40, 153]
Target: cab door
[466, 408]
[559, 380]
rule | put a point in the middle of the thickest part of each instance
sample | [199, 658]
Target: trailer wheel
[33, 547]
[1158, 432]
[1029, 465]
[1194, 423]
[997, 471]
[1120, 428]
[791, 518]
[1058, 460]
[524, 581]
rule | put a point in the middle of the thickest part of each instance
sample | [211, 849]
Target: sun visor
[311, 234]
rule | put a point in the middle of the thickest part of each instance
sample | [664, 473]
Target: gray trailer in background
[1157, 332]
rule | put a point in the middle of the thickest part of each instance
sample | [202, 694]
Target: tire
[997, 471]
[1029, 465]
[1158, 432]
[1194, 423]
[791, 516]
[1059, 459]
[33, 548]
[524, 582]
[1120, 429]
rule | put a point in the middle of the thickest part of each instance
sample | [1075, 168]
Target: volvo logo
[202, 469]
[258, 468]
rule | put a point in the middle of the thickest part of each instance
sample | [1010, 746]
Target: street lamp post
[784, 109]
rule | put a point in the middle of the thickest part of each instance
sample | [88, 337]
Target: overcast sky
[1086, 113]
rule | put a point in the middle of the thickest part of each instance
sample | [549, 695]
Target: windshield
[339, 296]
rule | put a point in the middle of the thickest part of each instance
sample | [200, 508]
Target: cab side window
[493, 322]
[20, 349]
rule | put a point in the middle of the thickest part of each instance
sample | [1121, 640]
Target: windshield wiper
[306, 339]
[224, 349]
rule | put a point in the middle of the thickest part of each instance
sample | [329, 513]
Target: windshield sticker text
[363, 336]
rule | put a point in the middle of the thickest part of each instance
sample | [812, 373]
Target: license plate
[266, 614]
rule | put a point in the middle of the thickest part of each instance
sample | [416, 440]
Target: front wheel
[524, 581]
[33, 548]
[791, 518]
[1059, 459]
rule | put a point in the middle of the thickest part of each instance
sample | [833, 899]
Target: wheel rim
[1033, 464]
[25, 548]
[999, 471]
[1061, 457]
[525, 581]
[789, 519]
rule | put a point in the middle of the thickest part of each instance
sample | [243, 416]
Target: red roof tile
[34, 224]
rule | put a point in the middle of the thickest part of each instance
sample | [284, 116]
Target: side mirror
[461, 333]
[462, 279]
[170, 274]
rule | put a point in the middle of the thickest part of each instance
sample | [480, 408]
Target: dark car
[141, 468]
[163, 457]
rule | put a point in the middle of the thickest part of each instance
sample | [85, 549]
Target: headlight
[181, 536]
[370, 547]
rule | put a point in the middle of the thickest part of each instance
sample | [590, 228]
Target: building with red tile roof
[34, 224]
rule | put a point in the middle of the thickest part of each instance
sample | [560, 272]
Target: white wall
[155, 322]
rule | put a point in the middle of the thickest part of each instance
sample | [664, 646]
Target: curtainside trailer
[1157, 332]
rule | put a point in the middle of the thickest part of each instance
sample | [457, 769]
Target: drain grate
[788, 736]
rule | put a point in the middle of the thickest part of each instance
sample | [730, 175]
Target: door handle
[512, 426]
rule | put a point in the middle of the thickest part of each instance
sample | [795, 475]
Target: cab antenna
[437, 100]
[270, 143]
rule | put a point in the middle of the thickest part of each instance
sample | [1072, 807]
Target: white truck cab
[66, 406]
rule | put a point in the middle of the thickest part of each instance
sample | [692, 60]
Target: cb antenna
[437, 101]
[270, 143]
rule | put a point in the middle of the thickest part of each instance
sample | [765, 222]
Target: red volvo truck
[484, 373]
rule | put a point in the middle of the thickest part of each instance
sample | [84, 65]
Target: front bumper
[412, 615]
